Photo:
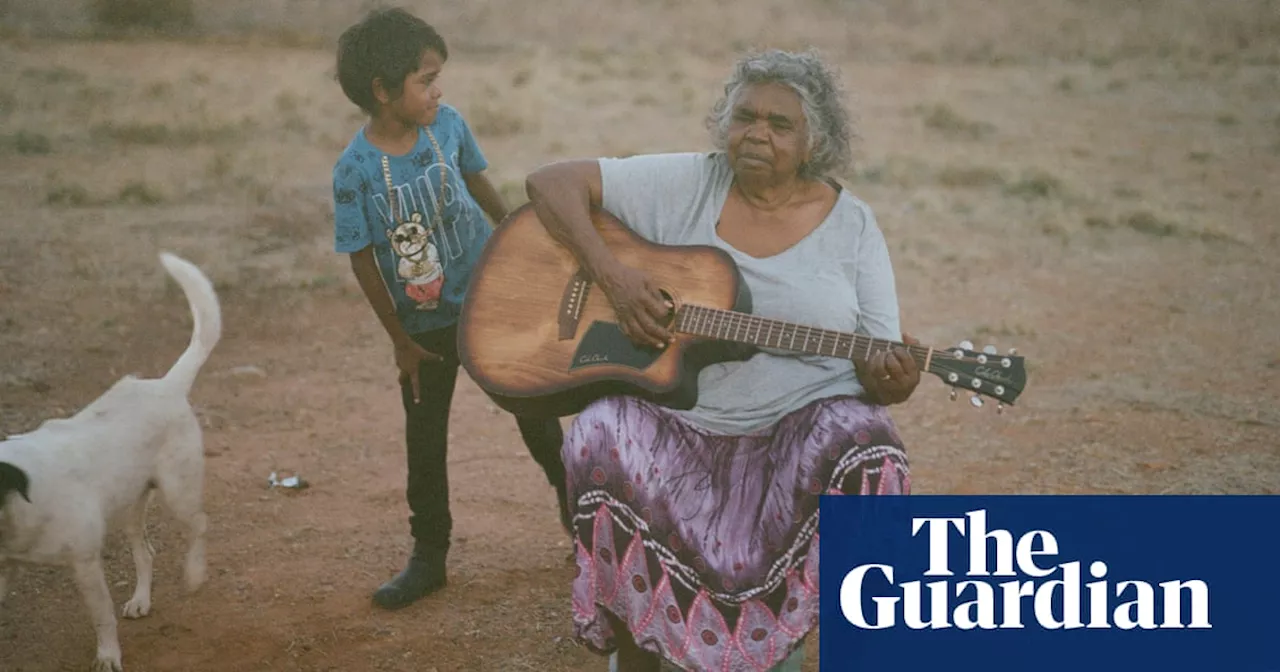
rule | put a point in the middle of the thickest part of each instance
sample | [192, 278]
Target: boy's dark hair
[387, 43]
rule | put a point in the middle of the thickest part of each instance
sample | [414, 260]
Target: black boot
[423, 576]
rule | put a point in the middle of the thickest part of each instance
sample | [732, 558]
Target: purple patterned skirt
[706, 545]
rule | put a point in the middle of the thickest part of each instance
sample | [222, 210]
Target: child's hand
[409, 358]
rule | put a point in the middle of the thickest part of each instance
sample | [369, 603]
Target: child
[410, 198]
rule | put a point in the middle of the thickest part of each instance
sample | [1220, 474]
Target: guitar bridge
[572, 302]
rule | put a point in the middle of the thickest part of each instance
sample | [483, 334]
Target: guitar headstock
[985, 373]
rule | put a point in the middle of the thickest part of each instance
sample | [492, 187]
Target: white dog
[66, 485]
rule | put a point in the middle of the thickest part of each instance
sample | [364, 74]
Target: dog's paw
[108, 663]
[136, 608]
[195, 578]
[195, 571]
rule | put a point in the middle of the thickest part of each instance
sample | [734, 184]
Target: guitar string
[719, 323]
[770, 332]
[737, 322]
[741, 326]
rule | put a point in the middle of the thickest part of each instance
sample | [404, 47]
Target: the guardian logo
[1028, 584]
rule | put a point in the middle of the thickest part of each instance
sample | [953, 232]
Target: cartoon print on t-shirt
[419, 264]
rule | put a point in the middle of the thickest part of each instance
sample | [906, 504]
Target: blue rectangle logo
[1050, 583]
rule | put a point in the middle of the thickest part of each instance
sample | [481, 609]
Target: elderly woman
[696, 531]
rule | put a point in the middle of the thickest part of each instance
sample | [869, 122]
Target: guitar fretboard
[728, 325]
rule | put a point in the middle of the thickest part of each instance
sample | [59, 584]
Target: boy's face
[420, 100]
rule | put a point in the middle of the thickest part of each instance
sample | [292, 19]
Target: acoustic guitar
[539, 339]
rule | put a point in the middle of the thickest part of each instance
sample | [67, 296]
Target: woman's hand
[409, 357]
[640, 308]
[889, 377]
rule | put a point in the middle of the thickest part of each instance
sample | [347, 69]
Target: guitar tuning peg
[990, 349]
[953, 394]
[999, 408]
[966, 345]
[976, 400]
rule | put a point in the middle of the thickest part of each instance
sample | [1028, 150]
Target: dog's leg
[6, 571]
[143, 554]
[97, 598]
[182, 484]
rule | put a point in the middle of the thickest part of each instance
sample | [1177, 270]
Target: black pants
[426, 438]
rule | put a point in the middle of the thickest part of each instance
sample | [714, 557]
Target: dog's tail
[206, 313]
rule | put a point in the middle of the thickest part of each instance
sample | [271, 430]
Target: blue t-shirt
[362, 218]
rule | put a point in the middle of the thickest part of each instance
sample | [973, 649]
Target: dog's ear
[13, 479]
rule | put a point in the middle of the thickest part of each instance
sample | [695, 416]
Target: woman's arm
[888, 377]
[563, 195]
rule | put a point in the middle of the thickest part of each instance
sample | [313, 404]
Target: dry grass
[969, 32]
[1088, 181]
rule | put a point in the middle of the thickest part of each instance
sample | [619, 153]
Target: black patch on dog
[13, 479]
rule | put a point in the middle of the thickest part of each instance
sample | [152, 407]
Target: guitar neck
[726, 325]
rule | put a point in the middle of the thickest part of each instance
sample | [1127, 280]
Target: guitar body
[541, 340]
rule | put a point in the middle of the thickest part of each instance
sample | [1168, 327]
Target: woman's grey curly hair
[831, 131]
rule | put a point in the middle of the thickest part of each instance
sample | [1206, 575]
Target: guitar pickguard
[604, 343]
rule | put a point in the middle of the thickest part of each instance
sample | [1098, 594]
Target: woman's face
[767, 133]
